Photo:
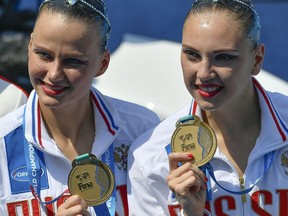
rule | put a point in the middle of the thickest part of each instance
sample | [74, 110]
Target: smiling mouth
[209, 91]
[52, 89]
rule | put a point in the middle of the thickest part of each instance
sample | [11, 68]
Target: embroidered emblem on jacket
[120, 156]
[284, 161]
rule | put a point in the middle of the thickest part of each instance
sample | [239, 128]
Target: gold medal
[91, 179]
[194, 136]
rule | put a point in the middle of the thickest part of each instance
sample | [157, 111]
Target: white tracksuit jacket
[148, 193]
[117, 123]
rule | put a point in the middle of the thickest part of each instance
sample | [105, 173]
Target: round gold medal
[194, 136]
[91, 179]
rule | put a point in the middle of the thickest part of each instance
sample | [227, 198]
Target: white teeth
[209, 89]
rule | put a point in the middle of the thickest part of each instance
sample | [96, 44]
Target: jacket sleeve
[141, 199]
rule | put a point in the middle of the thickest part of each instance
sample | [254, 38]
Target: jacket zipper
[242, 185]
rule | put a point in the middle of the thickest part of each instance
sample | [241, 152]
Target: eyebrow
[235, 51]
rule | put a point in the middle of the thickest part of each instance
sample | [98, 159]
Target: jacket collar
[106, 119]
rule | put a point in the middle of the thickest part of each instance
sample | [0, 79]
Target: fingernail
[190, 156]
[205, 178]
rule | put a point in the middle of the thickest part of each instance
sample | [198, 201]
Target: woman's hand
[188, 183]
[73, 206]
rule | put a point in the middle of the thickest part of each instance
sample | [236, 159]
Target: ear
[258, 59]
[105, 60]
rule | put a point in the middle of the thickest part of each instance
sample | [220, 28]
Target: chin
[49, 102]
[207, 106]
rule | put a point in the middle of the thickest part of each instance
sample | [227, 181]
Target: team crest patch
[120, 156]
[282, 162]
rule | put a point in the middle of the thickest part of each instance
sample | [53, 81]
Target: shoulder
[280, 103]
[12, 96]
[133, 114]
[278, 98]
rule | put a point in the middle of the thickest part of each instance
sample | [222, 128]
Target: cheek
[189, 79]
[79, 77]
[188, 71]
[33, 66]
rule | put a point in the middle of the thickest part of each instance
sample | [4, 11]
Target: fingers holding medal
[193, 144]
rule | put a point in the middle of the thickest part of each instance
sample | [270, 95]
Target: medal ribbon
[268, 158]
[109, 207]
[34, 173]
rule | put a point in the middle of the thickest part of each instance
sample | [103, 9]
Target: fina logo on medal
[84, 182]
[188, 144]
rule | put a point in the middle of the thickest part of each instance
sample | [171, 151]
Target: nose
[56, 72]
[205, 69]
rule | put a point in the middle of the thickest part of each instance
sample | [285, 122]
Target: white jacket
[148, 193]
[117, 123]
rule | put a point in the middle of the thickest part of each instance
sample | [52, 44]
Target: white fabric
[131, 119]
[11, 97]
[148, 193]
[206, 213]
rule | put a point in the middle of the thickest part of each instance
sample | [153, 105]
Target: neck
[73, 130]
[237, 131]
[237, 117]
